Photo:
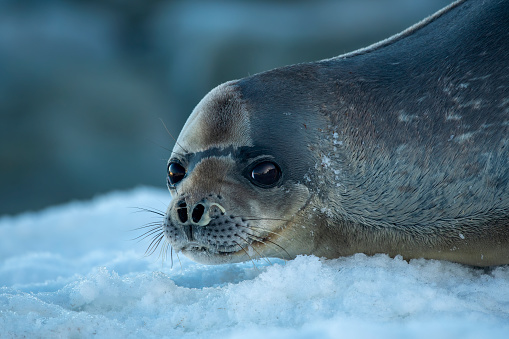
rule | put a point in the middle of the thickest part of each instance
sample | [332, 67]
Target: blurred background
[83, 83]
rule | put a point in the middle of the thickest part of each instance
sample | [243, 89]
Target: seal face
[229, 182]
[400, 148]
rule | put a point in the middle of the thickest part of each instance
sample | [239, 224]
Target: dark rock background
[83, 84]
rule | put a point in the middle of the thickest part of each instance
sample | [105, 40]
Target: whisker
[148, 234]
[163, 253]
[168, 246]
[256, 228]
[180, 262]
[252, 261]
[147, 209]
[154, 244]
[259, 255]
[257, 218]
[149, 225]
[166, 128]
[268, 241]
[171, 253]
[159, 145]
[150, 249]
[262, 240]
[143, 209]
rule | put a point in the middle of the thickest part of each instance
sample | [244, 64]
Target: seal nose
[197, 213]
[204, 211]
[182, 211]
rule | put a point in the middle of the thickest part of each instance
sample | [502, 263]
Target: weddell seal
[399, 148]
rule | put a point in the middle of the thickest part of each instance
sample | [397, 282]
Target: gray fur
[399, 148]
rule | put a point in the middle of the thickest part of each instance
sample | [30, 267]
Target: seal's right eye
[265, 174]
[176, 172]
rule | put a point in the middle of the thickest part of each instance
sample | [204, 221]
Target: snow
[72, 271]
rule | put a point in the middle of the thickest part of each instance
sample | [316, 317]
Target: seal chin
[211, 256]
[195, 247]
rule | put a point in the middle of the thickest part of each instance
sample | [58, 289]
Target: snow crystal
[326, 161]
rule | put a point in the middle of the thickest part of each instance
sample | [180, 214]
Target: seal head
[237, 182]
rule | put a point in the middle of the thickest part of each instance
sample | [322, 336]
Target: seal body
[399, 148]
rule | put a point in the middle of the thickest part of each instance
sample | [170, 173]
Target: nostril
[198, 213]
[182, 211]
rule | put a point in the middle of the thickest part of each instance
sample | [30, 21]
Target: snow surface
[72, 271]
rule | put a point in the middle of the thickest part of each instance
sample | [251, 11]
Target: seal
[399, 148]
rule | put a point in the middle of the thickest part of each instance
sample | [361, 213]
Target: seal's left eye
[176, 172]
[266, 174]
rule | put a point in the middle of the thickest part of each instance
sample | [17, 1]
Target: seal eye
[265, 174]
[176, 172]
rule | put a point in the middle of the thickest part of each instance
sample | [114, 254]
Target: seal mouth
[198, 248]
[195, 247]
[224, 235]
[196, 251]
[226, 238]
